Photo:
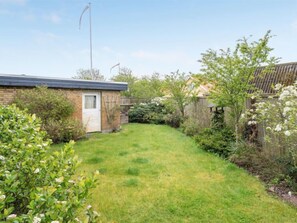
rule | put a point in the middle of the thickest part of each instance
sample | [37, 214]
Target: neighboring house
[198, 90]
[94, 100]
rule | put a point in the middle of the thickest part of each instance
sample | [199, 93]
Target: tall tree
[177, 89]
[126, 75]
[149, 87]
[231, 72]
[86, 74]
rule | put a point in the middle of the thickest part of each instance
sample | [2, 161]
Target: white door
[92, 112]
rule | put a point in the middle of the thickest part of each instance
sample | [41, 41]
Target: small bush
[151, 112]
[35, 184]
[216, 141]
[190, 127]
[54, 109]
[173, 119]
[64, 131]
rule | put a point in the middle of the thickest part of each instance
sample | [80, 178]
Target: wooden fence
[126, 104]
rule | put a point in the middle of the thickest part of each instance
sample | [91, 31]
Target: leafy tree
[145, 87]
[231, 72]
[176, 88]
[86, 74]
[149, 87]
[126, 75]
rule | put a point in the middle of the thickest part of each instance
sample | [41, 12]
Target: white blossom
[36, 220]
[59, 180]
[252, 122]
[55, 222]
[287, 133]
[37, 170]
[278, 128]
[11, 216]
[89, 207]
[286, 109]
[2, 197]
[289, 103]
[277, 87]
[2, 158]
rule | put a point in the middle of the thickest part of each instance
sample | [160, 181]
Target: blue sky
[41, 37]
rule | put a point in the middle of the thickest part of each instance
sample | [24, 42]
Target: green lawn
[153, 173]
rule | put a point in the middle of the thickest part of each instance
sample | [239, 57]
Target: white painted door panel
[92, 112]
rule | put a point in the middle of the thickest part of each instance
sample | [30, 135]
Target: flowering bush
[35, 184]
[279, 115]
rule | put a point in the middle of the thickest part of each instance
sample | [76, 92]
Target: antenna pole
[91, 53]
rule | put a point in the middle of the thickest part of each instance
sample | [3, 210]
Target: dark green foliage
[216, 141]
[152, 112]
[54, 109]
[174, 119]
[289, 171]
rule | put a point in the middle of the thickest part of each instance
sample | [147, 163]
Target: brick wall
[6, 95]
[109, 101]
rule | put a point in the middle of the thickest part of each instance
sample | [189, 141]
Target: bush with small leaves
[54, 109]
[216, 141]
[37, 185]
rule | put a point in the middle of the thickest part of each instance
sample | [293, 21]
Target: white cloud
[53, 17]
[16, 2]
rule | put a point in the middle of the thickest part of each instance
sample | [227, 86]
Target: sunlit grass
[153, 173]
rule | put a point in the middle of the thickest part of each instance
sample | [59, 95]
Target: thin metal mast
[91, 53]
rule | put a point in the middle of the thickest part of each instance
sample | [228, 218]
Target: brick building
[96, 102]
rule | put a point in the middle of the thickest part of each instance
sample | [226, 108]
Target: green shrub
[190, 127]
[35, 184]
[64, 131]
[173, 119]
[151, 112]
[54, 109]
[216, 141]
[47, 104]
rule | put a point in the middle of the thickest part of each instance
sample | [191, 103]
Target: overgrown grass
[153, 173]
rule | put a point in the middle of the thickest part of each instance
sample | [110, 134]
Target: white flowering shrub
[280, 117]
[37, 185]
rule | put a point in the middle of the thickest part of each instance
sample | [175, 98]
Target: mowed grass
[153, 173]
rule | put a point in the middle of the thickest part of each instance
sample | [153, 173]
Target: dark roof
[33, 81]
[285, 74]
